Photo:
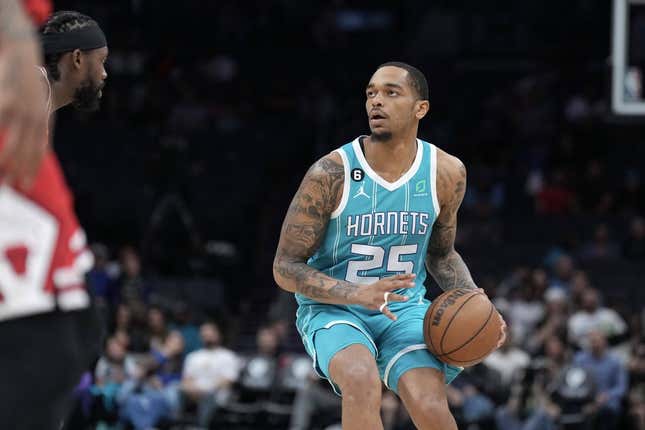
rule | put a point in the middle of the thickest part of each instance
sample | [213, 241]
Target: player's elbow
[280, 270]
[276, 276]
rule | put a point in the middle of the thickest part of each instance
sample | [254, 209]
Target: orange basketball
[461, 327]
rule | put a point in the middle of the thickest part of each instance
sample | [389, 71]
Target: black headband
[85, 39]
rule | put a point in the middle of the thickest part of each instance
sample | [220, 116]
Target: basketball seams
[490, 314]
[470, 362]
[427, 331]
[445, 330]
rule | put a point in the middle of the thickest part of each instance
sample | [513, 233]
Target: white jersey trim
[390, 186]
[433, 178]
[396, 358]
[343, 200]
[349, 323]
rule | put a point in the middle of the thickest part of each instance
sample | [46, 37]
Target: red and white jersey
[43, 252]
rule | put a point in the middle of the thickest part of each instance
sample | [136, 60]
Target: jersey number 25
[394, 263]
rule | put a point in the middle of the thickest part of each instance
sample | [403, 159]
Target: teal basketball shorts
[397, 346]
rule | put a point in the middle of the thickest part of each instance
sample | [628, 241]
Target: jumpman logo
[361, 192]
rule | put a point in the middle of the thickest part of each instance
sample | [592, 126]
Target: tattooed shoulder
[451, 180]
[326, 176]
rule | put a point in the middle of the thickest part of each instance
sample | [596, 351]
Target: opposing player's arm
[443, 262]
[23, 111]
[14, 23]
[303, 230]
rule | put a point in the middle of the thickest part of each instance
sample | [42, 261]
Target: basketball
[461, 327]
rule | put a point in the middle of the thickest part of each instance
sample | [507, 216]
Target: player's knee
[360, 381]
[433, 408]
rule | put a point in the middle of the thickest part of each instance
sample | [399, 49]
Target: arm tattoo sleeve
[303, 230]
[443, 262]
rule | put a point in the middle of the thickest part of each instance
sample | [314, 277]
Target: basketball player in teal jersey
[364, 224]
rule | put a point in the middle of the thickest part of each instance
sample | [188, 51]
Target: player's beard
[383, 136]
[86, 96]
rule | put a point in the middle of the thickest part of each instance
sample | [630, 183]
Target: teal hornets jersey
[380, 228]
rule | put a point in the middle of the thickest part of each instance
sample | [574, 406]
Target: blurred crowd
[572, 360]
[165, 363]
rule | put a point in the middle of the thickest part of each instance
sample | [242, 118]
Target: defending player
[353, 245]
[48, 331]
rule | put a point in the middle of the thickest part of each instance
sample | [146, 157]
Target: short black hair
[415, 77]
[62, 22]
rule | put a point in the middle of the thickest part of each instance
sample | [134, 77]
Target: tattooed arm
[23, 108]
[302, 232]
[443, 262]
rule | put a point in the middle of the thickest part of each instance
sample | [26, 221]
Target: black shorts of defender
[42, 358]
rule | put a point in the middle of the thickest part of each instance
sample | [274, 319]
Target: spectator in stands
[185, 325]
[610, 378]
[142, 401]
[555, 198]
[115, 366]
[556, 356]
[101, 279]
[514, 281]
[554, 322]
[470, 406]
[539, 282]
[526, 309]
[261, 369]
[508, 359]
[591, 317]
[314, 398]
[563, 271]
[131, 288]
[168, 363]
[130, 330]
[157, 328]
[533, 404]
[634, 245]
[637, 379]
[122, 318]
[113, 369]
[602, 247]
[579, 284]
[209, 373]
